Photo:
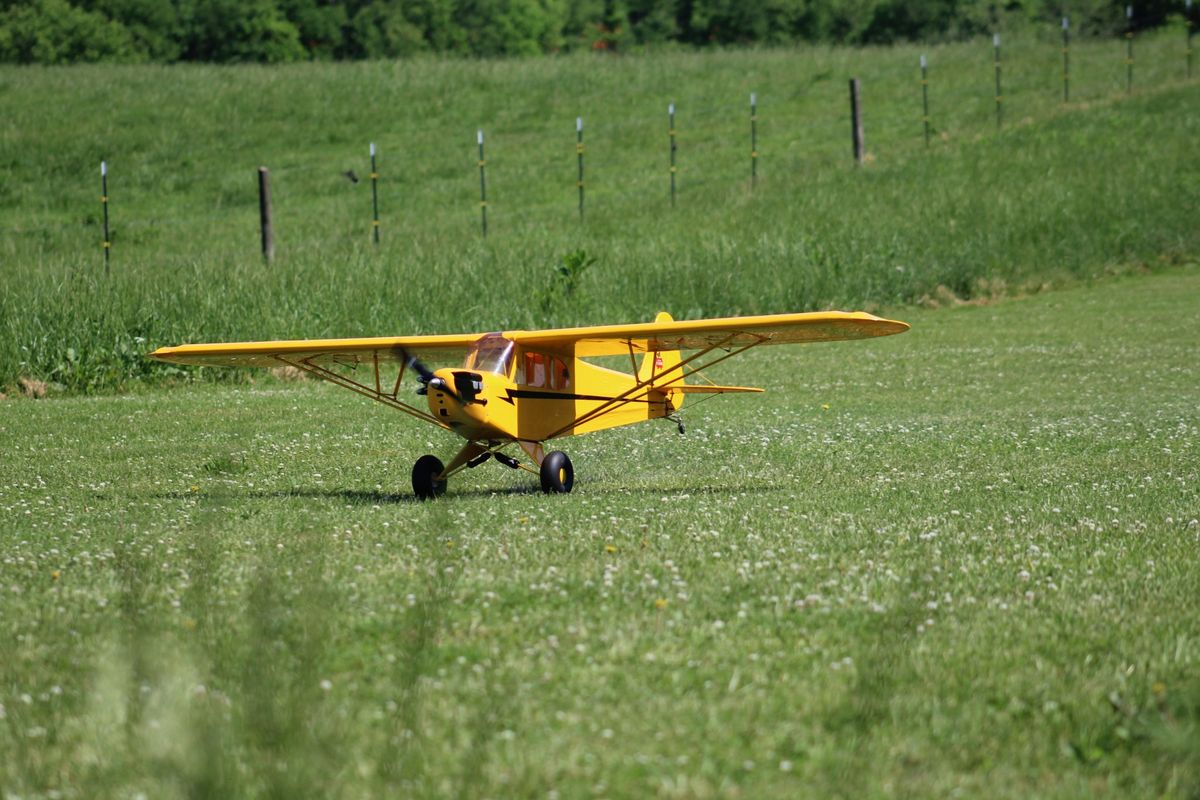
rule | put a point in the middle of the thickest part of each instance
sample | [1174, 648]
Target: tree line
[272, 31]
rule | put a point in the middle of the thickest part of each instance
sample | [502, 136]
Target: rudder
[663, 363]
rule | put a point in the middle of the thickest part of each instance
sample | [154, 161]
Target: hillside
[1060, 192]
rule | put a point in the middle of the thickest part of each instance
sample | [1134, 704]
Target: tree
[239, 30]
[321, 25]
[55, 32]
[383, 30]
[154, 25]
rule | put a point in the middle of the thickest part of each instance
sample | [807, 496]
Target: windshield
[492, 353]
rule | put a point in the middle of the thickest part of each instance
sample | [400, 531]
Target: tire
[425, 481]
[558, 476]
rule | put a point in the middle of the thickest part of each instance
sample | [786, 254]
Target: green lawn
[961, 561]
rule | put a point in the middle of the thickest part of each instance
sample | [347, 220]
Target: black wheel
[425, 478]
[558, 476]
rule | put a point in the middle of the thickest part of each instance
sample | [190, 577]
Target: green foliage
[55, 32]
[384, 30]
[573, 265]
[239, 30]
[511, 27]
[154, 26]
[320, 25]
[654, 21]
[64, 31]
[559, 290]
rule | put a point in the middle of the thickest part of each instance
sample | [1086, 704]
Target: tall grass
[1060, 192]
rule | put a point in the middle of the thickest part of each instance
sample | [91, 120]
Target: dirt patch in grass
[31, 387]
[288, 374]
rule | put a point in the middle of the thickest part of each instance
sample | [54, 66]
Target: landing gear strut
[429, 475]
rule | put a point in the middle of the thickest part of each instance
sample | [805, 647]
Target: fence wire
[531, 164]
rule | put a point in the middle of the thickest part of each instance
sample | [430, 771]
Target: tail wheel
[425, 481]
[558, 476]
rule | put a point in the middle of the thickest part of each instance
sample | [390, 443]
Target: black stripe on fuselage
[531, 394]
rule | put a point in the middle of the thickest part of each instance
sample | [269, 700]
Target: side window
[535, 369]
[560, 376]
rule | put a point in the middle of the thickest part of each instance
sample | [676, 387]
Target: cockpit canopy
[492, 353]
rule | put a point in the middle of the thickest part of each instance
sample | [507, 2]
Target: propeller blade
[425, 374]
[426, 377]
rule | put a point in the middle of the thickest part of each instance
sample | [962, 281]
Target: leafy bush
[240, 30]
[55, 32]
[63, 31]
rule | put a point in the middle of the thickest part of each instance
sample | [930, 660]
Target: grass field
[957, 562]
[1062, 193]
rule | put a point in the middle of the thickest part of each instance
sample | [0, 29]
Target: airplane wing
[596, 340]
[323, 352]
[723, 333]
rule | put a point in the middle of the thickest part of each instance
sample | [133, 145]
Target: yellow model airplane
[530, 387]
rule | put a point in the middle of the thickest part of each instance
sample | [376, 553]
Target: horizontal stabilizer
[711, 388]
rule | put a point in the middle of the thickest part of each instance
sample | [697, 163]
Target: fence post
[264, 214]
[1128, 49]
[856, 128]
[1066, 25]
[374, 196]
[104, 204]
[482, 184]
[674, 147]
[579, 159]
[999, 93]
[925, 97]
[753, 140]
[1190, 25]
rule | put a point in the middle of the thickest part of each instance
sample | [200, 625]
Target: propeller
[426, 377]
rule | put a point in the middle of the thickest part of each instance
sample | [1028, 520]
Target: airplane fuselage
[508, 393]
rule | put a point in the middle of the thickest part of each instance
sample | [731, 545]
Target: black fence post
[1128, 49]
[1066, 26]
[374, 195]
[674, 147]
[104, 205]
[925, 97]
[1190, 26]
[579, 160]
[482, 184]
[999, 93]
[753, 140]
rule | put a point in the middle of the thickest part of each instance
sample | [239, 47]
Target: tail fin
[664, 363]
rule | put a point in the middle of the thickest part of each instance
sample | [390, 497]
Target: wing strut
[374, 392]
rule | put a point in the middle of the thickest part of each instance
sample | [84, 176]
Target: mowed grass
[961, 561]
[1061, 193]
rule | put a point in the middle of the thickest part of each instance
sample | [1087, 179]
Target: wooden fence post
[264, 213]
[856, 127]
